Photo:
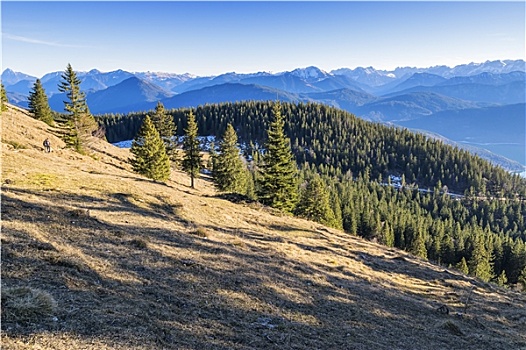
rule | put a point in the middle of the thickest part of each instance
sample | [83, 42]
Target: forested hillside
[338, 142]
[400, 188]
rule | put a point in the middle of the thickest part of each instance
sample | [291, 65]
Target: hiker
[47, 145]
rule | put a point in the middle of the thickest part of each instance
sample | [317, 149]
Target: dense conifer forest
[385, 184]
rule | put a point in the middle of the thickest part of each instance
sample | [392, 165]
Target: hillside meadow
[96, 257]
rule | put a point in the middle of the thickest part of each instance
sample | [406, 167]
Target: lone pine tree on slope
[279, 174]
[192, 159]
[39, 104]
[150, 158]
[79, 120]
[230, 174]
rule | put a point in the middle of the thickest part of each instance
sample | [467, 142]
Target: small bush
[45, 180]
[16, 145]
[238, 243]
[43, 246]
[200, 232]
[79, 213]
[71, 262]
[25, 304]
[139, 243]
[452, 328]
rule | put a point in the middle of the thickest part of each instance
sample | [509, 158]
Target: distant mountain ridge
[401, 95]
[371, 77]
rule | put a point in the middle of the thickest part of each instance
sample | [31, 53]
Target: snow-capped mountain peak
[10, 77]
[310, 73]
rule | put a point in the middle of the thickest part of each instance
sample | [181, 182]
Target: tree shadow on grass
[181, 291]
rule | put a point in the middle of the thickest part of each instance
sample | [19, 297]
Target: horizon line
[266, 71]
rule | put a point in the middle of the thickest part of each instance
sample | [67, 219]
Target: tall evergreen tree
[39, 105]
[387, 235]
[480, 262]
[418, 244]
[150, 158]
[278, 187]
[79, 120]
[192, 158]
[314, 203]
[336, 206]
[164, 123]
[3, 98]
[230, 173]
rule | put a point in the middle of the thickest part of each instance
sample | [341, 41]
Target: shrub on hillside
[26, 304]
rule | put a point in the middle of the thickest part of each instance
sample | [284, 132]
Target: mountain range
[477, 104]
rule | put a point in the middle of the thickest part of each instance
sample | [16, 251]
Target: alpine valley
[477, 106]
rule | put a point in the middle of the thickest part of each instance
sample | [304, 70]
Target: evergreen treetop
[70, 84]
[164, 123]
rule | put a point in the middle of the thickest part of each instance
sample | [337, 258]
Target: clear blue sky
[210, 38]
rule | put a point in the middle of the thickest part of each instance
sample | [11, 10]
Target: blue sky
[210, 38]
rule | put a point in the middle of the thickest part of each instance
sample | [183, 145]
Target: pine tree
[212, 153]
[164, 123]
[336, 206]
[230, 174]
[517, 261]
[3, 98]
[39, 105]
[254, 166]
[462, 266]
[79, 120]
[278, 187]
[150, 158]
[480, 262]
[447, 250]
[192, 158]
[387, 235]
[314, 203]
[502, 279]
[418, 245]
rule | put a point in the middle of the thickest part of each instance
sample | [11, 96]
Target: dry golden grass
[24, 304]
[134, 264]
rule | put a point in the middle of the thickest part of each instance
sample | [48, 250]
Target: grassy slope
[134, 264]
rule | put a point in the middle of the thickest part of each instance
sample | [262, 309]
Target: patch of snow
[310, 73]
[123, 144]
[204, 141]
